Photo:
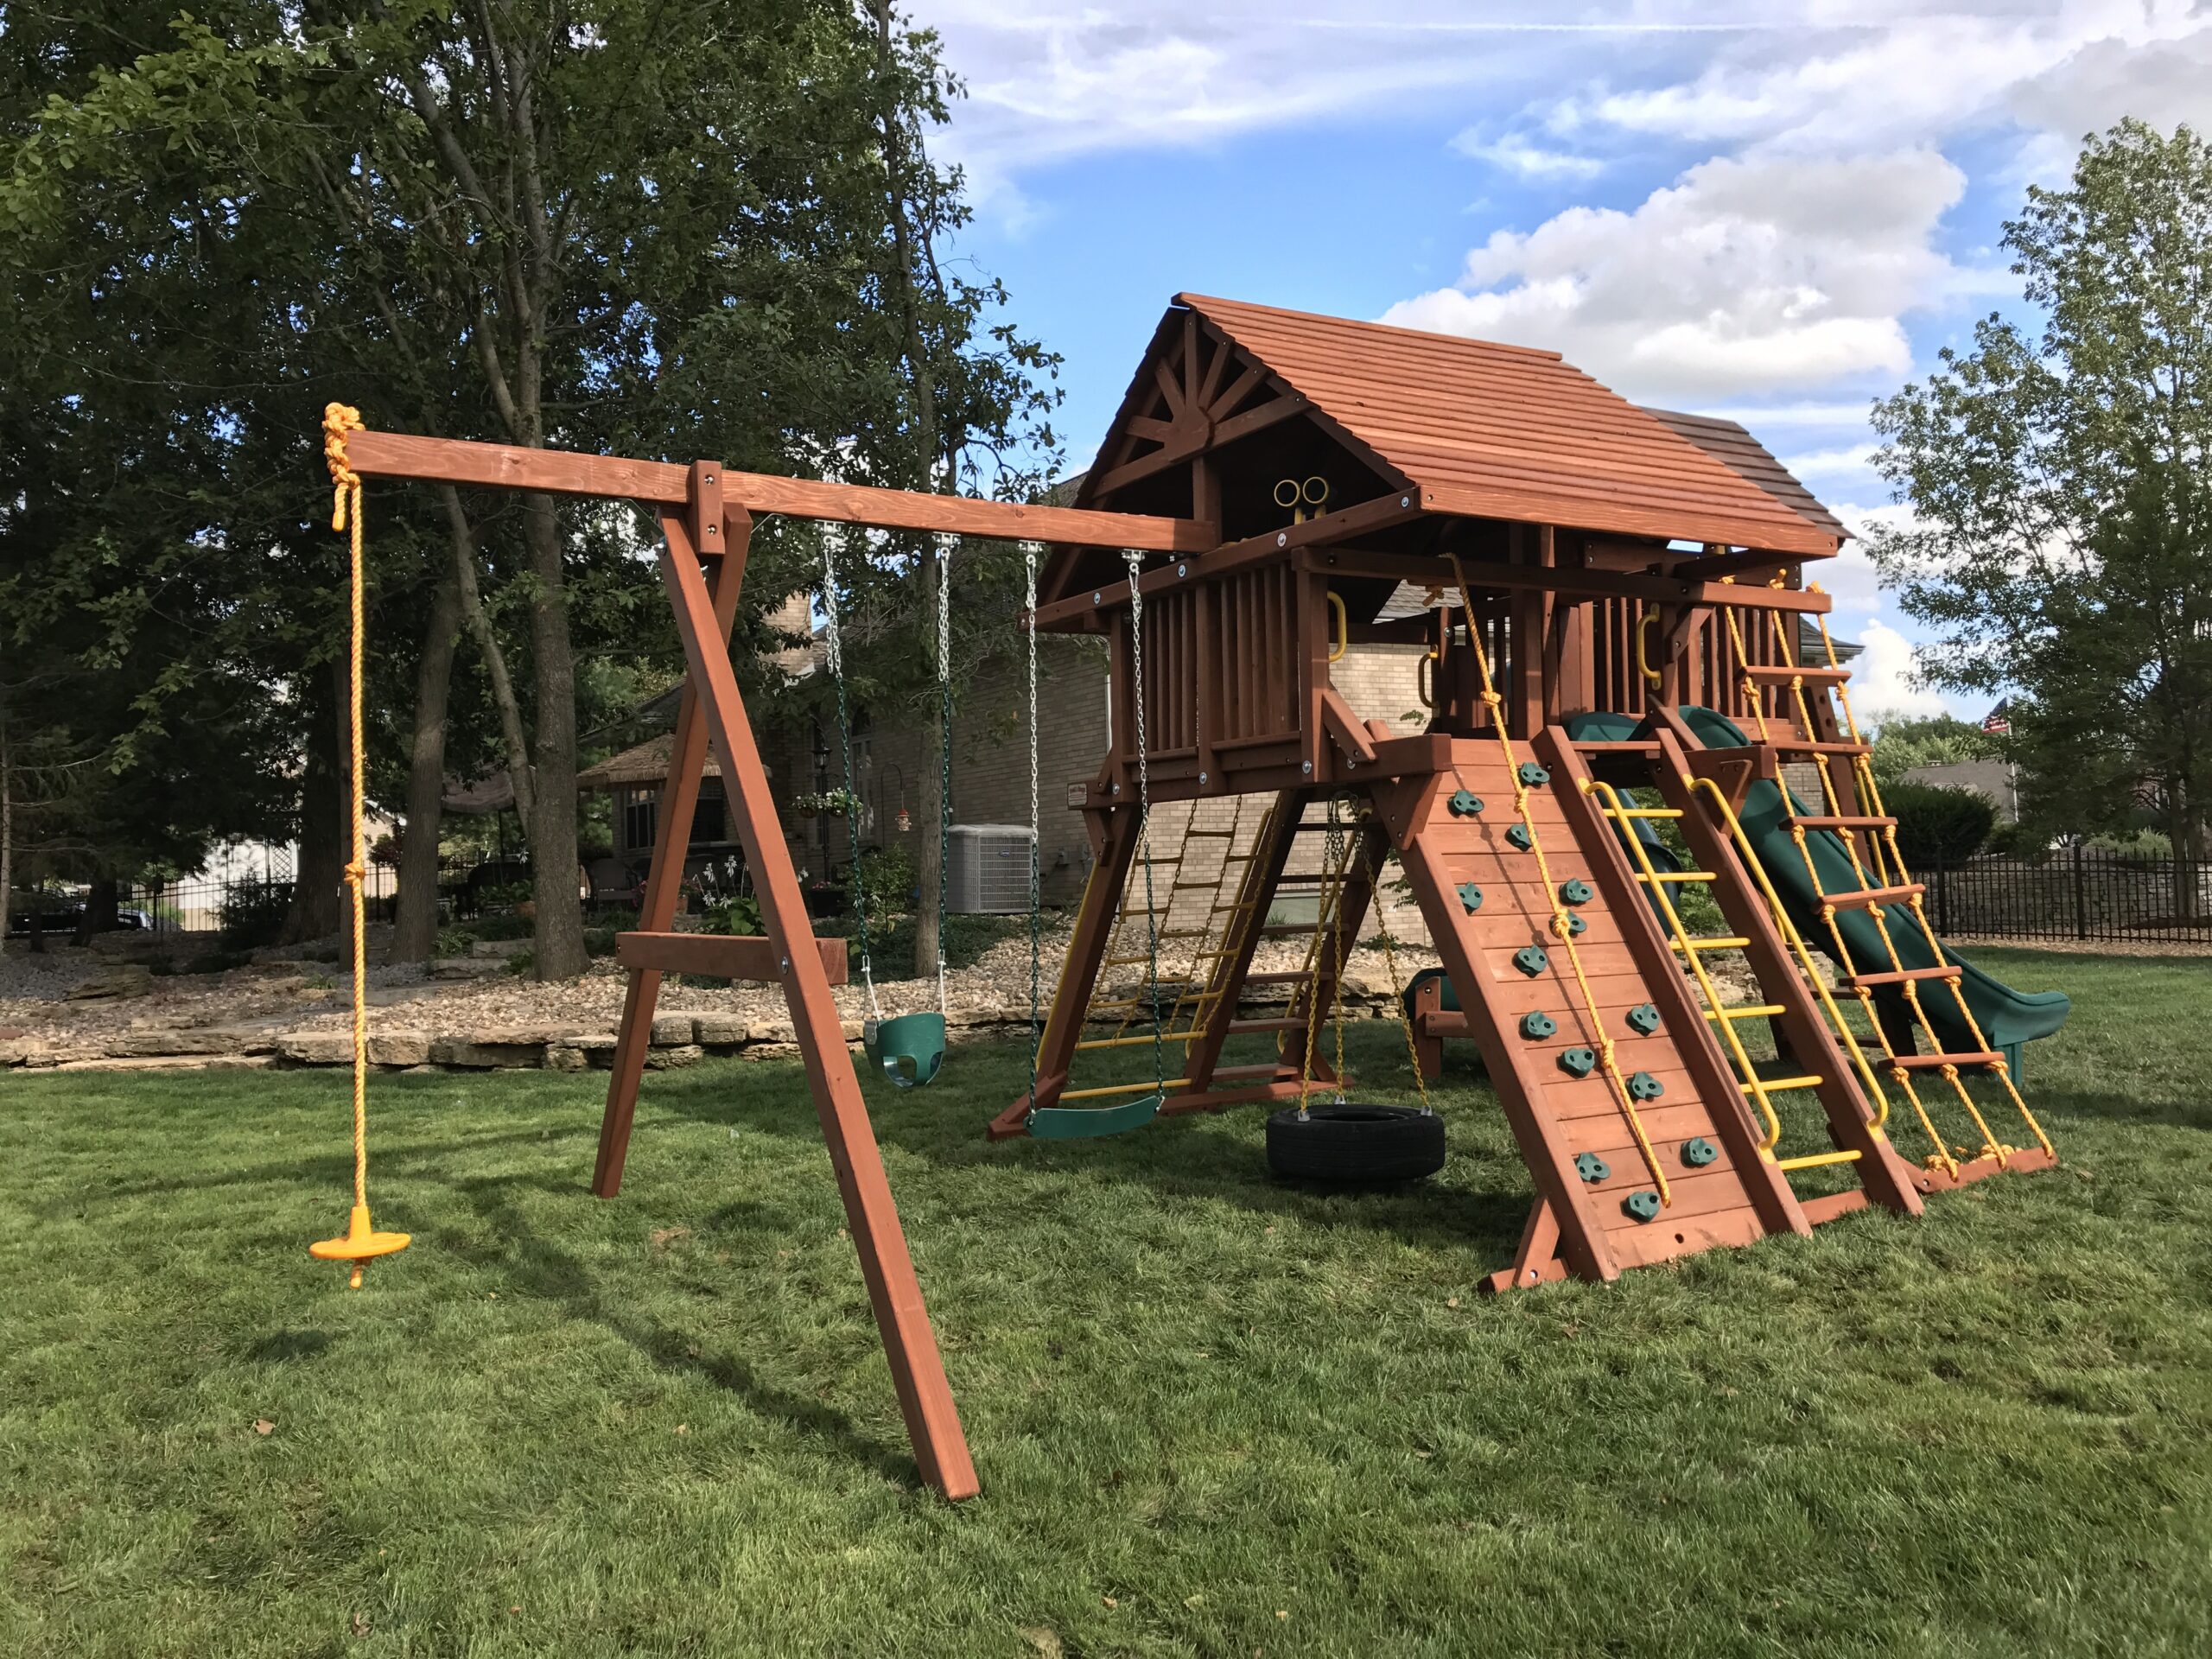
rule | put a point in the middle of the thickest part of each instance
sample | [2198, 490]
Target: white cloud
[1514, 153]
[1741, 276]
[1883, 678]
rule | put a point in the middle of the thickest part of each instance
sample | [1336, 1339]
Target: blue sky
[1775, 213]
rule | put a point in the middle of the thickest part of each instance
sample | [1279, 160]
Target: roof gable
[1482, 429]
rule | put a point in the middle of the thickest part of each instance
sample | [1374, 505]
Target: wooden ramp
[1652, 1157]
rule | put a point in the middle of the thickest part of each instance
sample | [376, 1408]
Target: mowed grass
[1211, 1415]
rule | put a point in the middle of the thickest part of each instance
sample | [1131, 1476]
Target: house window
[710, 818]
[639, 811]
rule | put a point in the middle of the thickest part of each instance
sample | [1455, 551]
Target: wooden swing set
[1589, 586]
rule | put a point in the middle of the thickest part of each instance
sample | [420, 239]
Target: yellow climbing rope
[1562, 921]
[361, 1242]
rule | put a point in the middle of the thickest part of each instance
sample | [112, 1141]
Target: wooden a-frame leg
[1227, 988]
[679, 800]
[1536, 1260]
[916, 1368]
[1094, 927]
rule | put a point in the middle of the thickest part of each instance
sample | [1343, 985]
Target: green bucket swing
[908, 1048]
[1094, 1122]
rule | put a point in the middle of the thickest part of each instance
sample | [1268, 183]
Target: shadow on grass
[536, 1264]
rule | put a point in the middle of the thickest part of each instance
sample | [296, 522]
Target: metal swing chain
[1134, 560]
[944, 747]
[1029, 551]
[834, 644]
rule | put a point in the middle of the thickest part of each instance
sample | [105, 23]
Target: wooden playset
[1616, 635]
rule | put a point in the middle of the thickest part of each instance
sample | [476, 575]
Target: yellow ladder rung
[1132, 1042]
[1716, 943]
[1814, 1160]
[1124, 1089]
[1677, 875]
[1642, 812]
[1781, 1085]
[1745, 1013]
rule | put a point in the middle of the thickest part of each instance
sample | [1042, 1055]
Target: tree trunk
[103, 902]
[319, 876]
[7, 830]
[558, 942]
[487, 645]
[415, 920]
[929, 865]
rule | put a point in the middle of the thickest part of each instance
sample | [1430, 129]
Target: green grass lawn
[1211, 1415]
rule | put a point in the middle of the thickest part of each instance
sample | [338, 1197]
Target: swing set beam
[705, 514]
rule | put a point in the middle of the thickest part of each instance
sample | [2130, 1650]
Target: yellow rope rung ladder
[1562, 926]
[360, 1243]
[1691, 948]
[1898, 876]
[1887, 873]
[1810, 974]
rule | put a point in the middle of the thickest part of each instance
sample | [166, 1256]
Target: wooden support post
[916, 1369]
[1531, 626]
[1226, 985]
[1094, 927]
[678, 803]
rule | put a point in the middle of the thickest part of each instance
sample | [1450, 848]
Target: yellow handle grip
[1642, 638]
[1343, 628]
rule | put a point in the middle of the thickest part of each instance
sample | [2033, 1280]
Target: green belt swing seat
[909, 1048]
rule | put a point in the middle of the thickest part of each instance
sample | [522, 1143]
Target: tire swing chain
[1134, 560]
[833, 647]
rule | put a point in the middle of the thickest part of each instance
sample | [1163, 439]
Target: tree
[1933, 740]
[2061, 544]
[531, 222]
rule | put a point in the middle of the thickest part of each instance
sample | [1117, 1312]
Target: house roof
[1726, 441]
[1490, 430]
[647, 763]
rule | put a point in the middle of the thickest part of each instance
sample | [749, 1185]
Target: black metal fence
[2078, 893]
[467, 889]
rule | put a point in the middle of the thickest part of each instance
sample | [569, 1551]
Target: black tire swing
[1341, 1142]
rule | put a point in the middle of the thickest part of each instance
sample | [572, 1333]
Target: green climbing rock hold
[1576, 927]
[1577, 1061]
[1532, 774]
[1577, 892]
[1591, 1167]
[1471, 897]
[1697, 1151]
[1465, 803]
[1643, 1018]
[1538, 1025]
[1642, 1205]
[1531, 960]
[1644, 1086]
[1518, 836]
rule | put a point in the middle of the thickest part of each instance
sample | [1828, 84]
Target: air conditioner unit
[986, 869]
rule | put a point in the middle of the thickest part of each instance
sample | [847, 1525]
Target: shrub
[253, 913]
[886, 882]
[500, 927]
[1939, 826]
[599, 942]
[738, 915]
[451, 942]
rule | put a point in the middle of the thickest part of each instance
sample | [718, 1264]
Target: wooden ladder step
[1895, 976]
[1782, 673]
[1271, 1071]
[1836, 821]
[1814, 746]
[1867, 898]
[1936, 1062]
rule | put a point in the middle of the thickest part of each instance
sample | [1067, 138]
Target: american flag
[1998, 722]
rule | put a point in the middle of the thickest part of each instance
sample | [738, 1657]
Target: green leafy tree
[2061, 546]
[1933, 741]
